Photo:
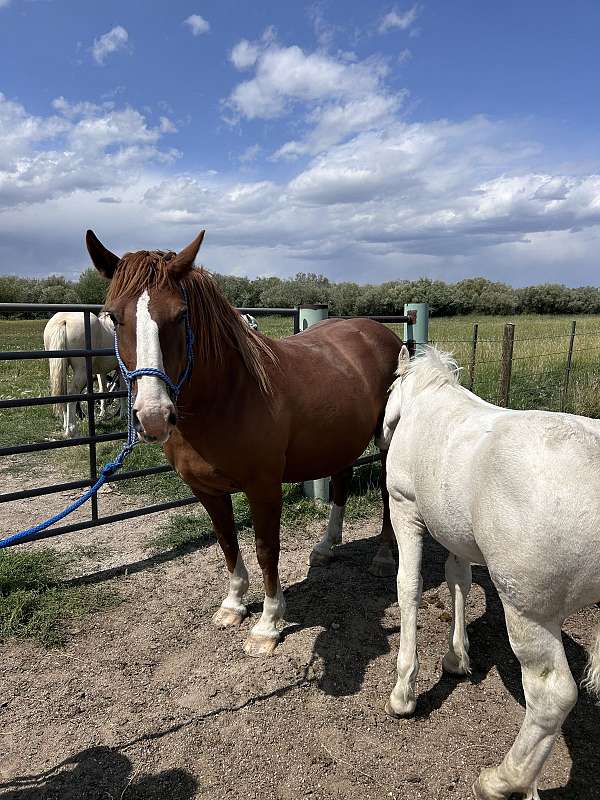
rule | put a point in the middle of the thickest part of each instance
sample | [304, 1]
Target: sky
[363, 141]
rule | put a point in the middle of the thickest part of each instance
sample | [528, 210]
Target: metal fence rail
[93, 438]
[89, 397]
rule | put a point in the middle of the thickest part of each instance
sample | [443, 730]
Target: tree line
[469, 296]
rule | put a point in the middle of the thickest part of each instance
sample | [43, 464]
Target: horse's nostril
[136, 422]
[173, 418]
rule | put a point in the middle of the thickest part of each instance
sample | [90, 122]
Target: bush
[469, 296]
[91, 287]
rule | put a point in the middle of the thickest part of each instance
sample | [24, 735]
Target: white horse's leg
[77, 384]
[458, 576]
[103, 387]
[409, 535]
[550, 693]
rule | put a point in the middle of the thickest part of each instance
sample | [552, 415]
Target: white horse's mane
[431, 369]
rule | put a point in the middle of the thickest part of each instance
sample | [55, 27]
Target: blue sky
[368, 142]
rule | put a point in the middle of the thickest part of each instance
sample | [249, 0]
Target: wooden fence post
[563, 397]
[473, 356]
[307, 316]
[508, 341]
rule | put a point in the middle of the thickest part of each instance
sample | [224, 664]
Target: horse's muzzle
[155, 424]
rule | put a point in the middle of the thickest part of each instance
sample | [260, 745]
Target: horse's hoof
[490, 793]
[226, 617]
[453, 666]
[383, 567]
[407, 711]
[319, 558]
[258, 646]
[478, 791]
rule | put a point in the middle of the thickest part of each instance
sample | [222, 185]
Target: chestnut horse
[254, 413]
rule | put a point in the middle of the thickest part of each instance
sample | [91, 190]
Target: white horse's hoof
[226, 617]
[400, 710]
[258, 646]
[483, 788]
[478, 791]
[320, 558]
[456, 666]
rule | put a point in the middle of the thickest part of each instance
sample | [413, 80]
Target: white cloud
[287, 75]
[197, 24]
[399, 19]
[244, 54]
[391, 200]
[336, 122]
[87, 147]
[116, 39]
[250, 153]
[337, 97]
[166, 126]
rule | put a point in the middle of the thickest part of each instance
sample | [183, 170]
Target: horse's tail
[591, 679]
[55, 338]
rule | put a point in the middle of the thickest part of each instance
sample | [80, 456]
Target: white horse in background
[518, 491]
[66, 331]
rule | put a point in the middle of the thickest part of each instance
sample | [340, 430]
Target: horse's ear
[104, 261]
[184, 260]
[403, 361]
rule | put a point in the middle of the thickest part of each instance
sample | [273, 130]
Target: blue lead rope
[111, 467]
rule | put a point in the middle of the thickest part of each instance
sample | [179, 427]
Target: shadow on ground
[348, 596]
[97, 774]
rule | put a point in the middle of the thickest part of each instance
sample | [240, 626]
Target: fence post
[307, 316]
[563, 398]
[417, 331]
[91, 409]
[508, 341]
[473, 356]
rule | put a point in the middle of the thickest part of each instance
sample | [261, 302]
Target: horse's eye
[113, 318]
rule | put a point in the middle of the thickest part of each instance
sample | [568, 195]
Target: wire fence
[554, 371]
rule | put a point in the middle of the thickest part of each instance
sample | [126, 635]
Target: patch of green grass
[36, 604]
[183, 531]
[194, 529]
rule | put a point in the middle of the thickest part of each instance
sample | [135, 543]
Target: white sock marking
[238, 586]
[333, 534]
[273, 611]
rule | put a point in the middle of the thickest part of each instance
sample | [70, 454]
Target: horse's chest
[198, 473]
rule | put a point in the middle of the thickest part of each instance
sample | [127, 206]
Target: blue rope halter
[112, 466]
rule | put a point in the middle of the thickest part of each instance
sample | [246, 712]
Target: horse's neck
[215, 386]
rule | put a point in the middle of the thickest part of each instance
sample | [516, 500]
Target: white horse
[66, 331]
[518, 491]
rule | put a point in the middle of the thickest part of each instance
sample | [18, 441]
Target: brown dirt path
[149, 702]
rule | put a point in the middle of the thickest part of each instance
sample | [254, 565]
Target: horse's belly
[461, 544]
[453, 529]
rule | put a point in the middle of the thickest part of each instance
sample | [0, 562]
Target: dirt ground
[148, 701]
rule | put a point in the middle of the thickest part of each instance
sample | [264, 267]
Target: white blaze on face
[152, 402]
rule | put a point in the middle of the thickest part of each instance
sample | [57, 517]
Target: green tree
[91, 287]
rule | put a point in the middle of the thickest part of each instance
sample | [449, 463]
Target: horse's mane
[432, 369]
[216, 324]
